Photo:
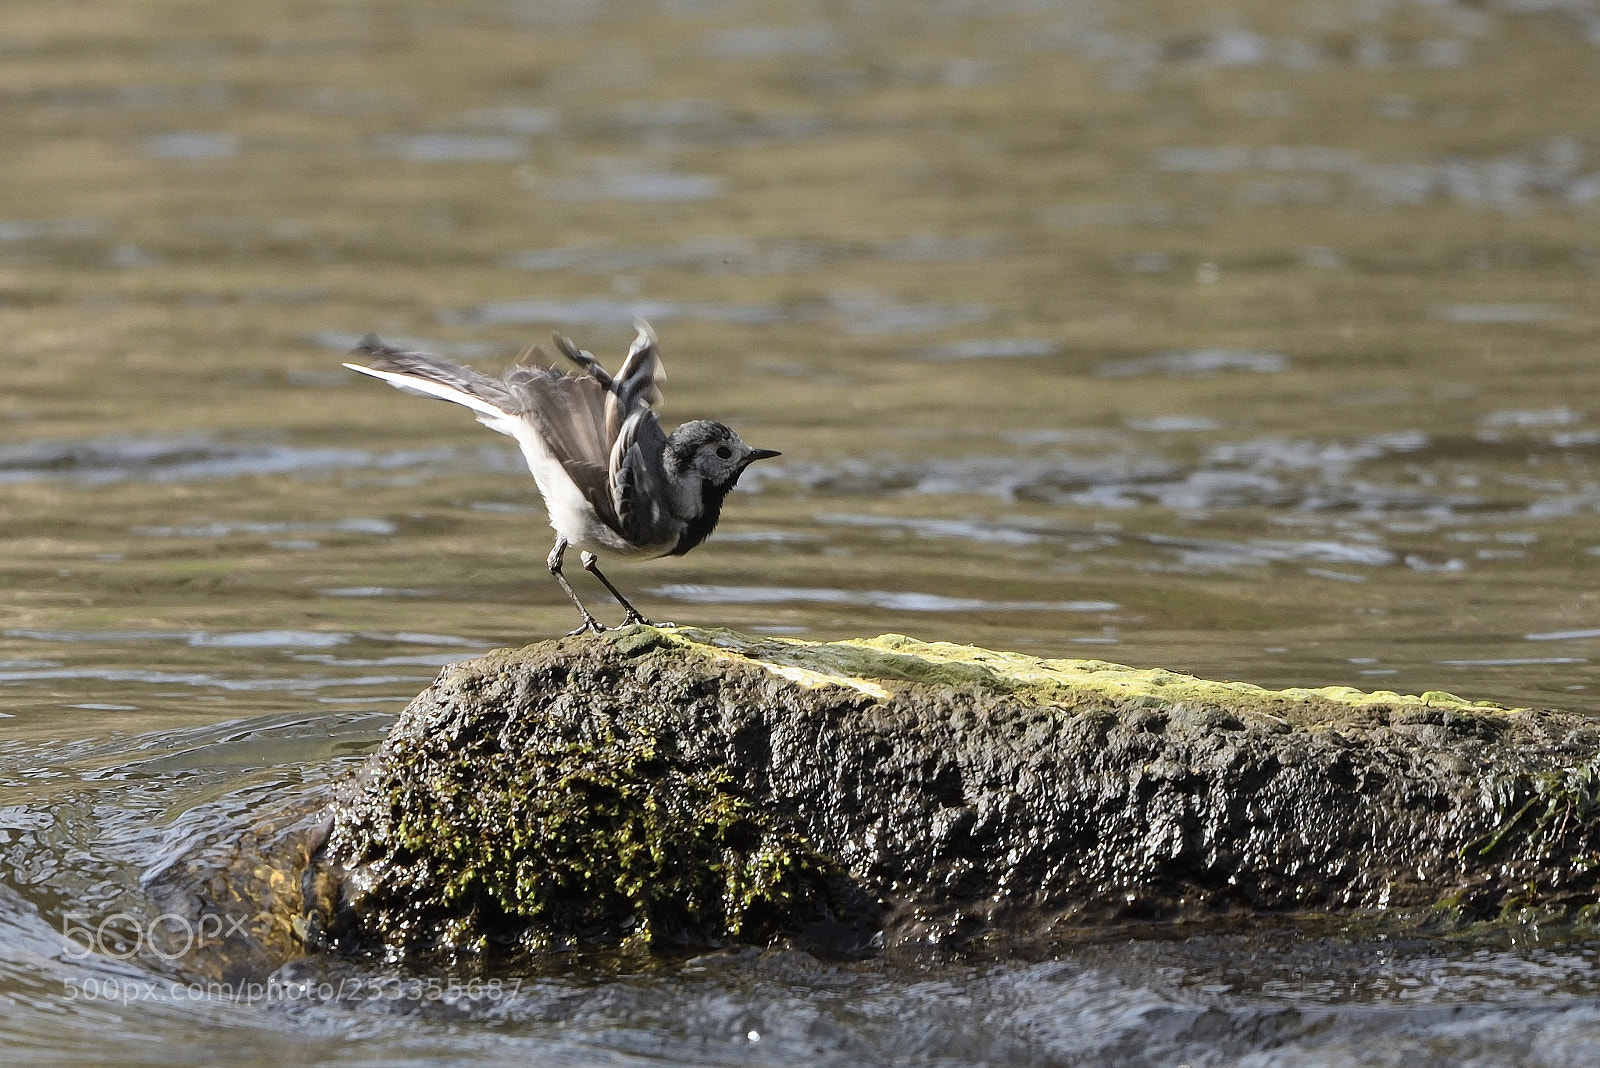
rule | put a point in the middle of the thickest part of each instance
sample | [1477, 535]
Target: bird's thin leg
[554, 562]
[591, 565]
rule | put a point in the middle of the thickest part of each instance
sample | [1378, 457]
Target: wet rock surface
[686, 787]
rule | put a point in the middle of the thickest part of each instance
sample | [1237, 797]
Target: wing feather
[569, 416]
[638, 384]
[600, 429]
[558, 420]
[635, 470]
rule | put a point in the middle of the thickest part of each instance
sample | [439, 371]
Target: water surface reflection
[1250, 343]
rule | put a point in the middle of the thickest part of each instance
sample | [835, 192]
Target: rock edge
[696, 787]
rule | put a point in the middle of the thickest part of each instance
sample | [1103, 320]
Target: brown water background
[1251, 340]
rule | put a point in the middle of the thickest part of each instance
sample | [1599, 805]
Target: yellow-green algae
[873, 665]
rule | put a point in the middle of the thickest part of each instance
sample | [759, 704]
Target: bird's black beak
[759, 454]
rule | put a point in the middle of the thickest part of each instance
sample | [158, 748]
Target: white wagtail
[612, 480]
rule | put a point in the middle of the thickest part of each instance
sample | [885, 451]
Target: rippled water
[1251, 341]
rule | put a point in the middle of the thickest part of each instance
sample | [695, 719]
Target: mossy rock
[655, 788]
[599, 839]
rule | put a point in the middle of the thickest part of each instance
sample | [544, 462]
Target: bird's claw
[594, 626]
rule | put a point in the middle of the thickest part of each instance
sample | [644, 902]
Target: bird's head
[711, 451]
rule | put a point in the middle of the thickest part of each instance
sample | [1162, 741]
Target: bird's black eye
[724, 453]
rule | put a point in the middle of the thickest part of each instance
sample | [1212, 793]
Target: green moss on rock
[604, 841]
[495, 836]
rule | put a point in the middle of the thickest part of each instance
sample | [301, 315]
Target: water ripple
[198, 457]
[1197, 363]
[895, 600]
[979, 530]
[164, 459]
[376, 527]
[207, 680]
[454, 148]
[1557, 170]
[607, 311]
[200, 639]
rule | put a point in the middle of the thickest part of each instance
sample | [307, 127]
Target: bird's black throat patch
[699, 528]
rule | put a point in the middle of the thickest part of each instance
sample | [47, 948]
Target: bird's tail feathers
[431, 376]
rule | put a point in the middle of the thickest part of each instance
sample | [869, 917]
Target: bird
[612, 480]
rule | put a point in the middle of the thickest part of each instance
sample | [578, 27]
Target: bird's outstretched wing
[637, 385]
[559, 420]
[635, 436]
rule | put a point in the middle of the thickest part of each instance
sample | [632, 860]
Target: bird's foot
[591, 625]
[633, 617]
